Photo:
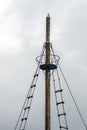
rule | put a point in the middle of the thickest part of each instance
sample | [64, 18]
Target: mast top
[48, 28]
[48, 15]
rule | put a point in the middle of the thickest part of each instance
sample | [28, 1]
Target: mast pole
[47, 76]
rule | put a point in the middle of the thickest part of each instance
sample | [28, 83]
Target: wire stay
[23, 117]
[78, 110]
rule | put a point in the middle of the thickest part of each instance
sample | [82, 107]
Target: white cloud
[4, 6]
[9, 40]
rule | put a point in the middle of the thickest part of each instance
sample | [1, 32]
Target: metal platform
[48, 66]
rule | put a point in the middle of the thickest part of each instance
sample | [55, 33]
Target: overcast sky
[22, 34]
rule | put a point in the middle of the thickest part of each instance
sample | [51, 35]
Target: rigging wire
[84, 123]
[56, 97]
[61, 95]
[60, 110]
[72, 97]
[29, 91]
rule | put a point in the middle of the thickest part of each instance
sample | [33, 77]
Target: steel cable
[84, 123]
[73, 98]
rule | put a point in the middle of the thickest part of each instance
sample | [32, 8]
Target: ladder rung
[26, 108]
[35, 75]
[60, 103]
[64, 127]
[33, 86]
[30, 97]
[61, 114]
[23, 119]
[59, 90]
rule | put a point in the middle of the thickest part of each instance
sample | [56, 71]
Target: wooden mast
[47, 76]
